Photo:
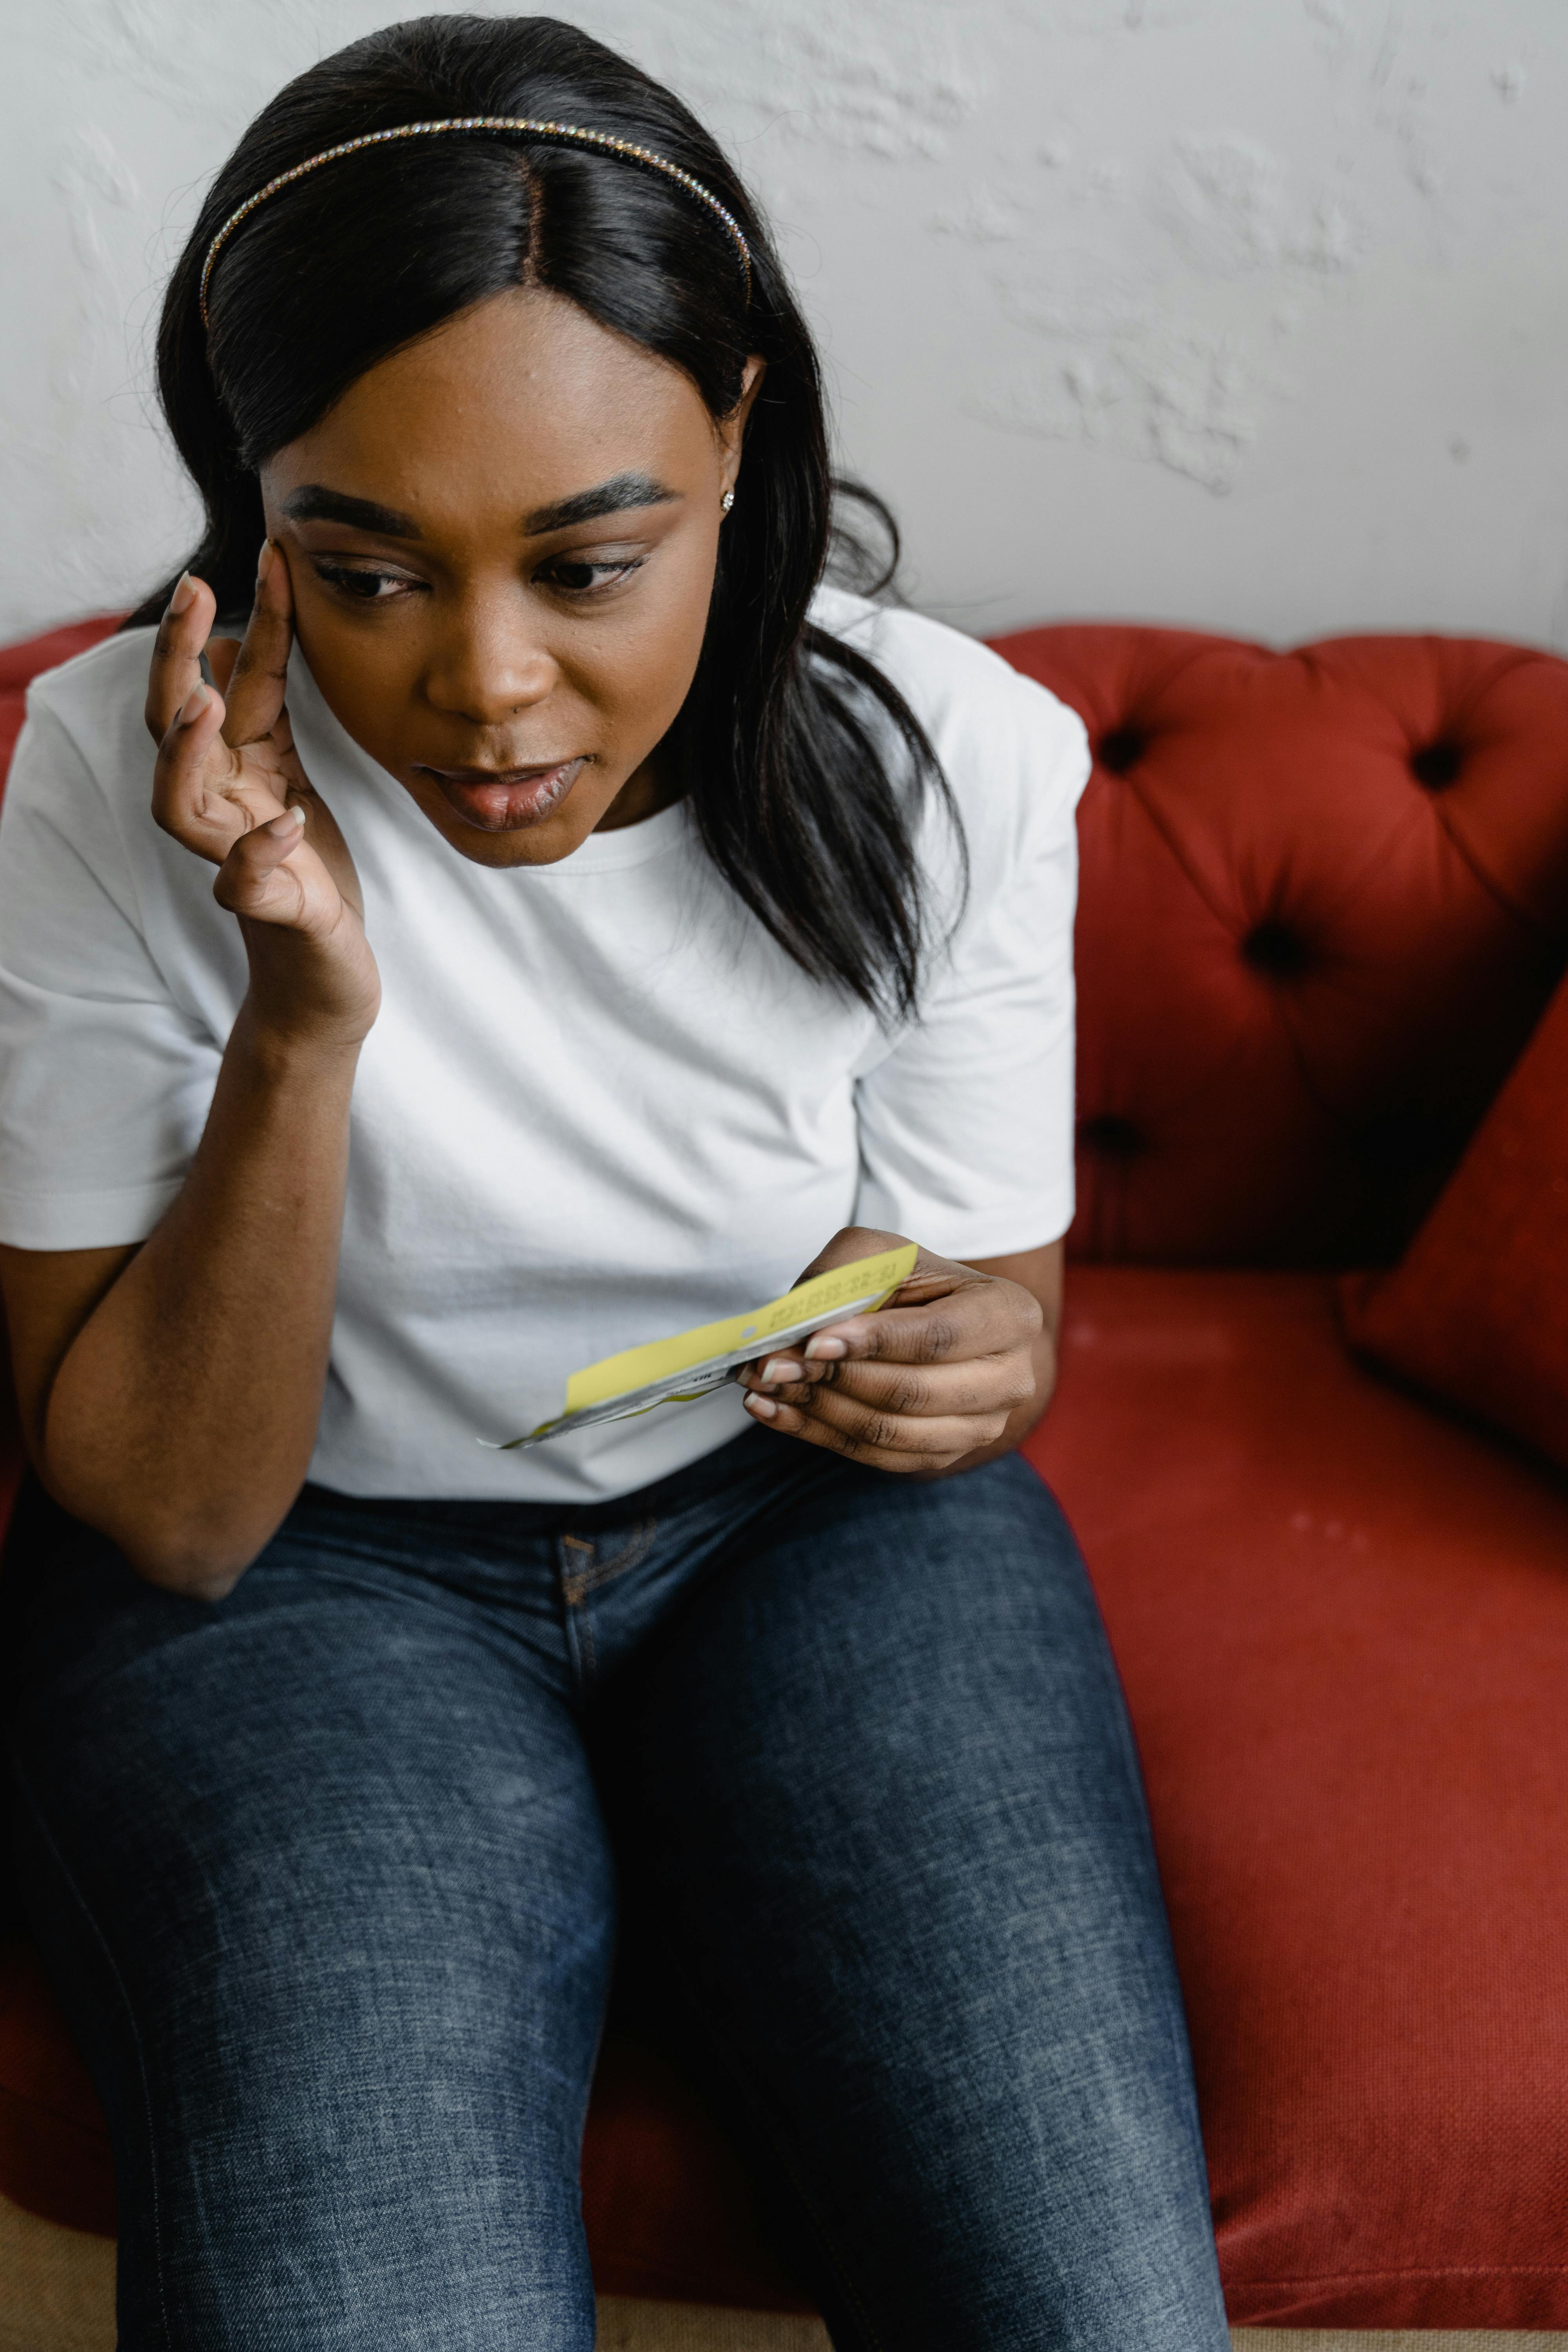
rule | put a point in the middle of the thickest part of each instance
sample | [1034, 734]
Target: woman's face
[501, 542]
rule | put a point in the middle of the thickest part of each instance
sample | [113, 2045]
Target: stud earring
[728, 500]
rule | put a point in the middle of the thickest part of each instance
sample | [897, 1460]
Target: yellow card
[677, 1371]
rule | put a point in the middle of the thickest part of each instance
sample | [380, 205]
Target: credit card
[695, 1362]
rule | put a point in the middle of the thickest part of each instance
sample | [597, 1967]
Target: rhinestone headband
[567, 132]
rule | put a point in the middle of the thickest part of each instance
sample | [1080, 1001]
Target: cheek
[366, 675]
[636, 667]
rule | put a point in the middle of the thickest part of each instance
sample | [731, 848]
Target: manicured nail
[194, 703]
[184, 594]
[762, 1405]
[264, 561]
[779, 1369]
[824, 1351]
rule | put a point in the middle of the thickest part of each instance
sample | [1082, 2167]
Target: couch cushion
[1343, 1623]
[1324, 897]
[669, 2207]
[1477, 1310]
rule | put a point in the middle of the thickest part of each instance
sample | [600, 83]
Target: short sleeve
[966, 1124]
[104, 1082]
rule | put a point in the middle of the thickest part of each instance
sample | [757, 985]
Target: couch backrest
[1324, 897]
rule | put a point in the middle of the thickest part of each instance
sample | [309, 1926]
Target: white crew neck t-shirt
[599, 1104]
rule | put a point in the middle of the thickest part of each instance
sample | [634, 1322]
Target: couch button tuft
[1272, 948]
[1437, 765]
[1122, 748]
[1107, 1136]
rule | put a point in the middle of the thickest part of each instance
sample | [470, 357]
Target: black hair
[805, 768]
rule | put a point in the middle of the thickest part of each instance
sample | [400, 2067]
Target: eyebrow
[314, 502]
[614, 497]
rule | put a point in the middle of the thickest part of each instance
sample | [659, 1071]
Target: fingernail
[779, 1369]
[194, 703]
[824, 1350]
[291, 821]
[762, 1405]
[184, 594]
[264, 561]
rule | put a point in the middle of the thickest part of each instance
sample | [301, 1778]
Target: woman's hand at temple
[171, 1389]
[955, 1370]
[229, 784]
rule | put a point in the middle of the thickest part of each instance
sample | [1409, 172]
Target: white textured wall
[1246, 312]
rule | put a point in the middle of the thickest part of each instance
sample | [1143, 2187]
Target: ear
[731, 429]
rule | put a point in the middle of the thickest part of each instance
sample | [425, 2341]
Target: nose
[489, 662]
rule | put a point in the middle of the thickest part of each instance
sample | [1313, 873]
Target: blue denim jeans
[328, 1876]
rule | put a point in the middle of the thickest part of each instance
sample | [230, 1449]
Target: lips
[505, 800]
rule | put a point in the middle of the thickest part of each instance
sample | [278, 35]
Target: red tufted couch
[1324, 898]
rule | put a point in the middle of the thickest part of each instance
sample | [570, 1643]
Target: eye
[364, 585]
[577, 576]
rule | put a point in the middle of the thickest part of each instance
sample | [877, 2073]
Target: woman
[608, 923]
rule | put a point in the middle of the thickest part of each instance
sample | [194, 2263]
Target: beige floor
[56, 2294]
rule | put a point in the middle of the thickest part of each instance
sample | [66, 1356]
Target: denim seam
[25, 1788]
[578, 1586]
[578, 1583]
[582, 1630]
[783, 2153]
[576, 1622]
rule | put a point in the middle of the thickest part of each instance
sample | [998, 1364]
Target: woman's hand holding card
[949, 1371]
